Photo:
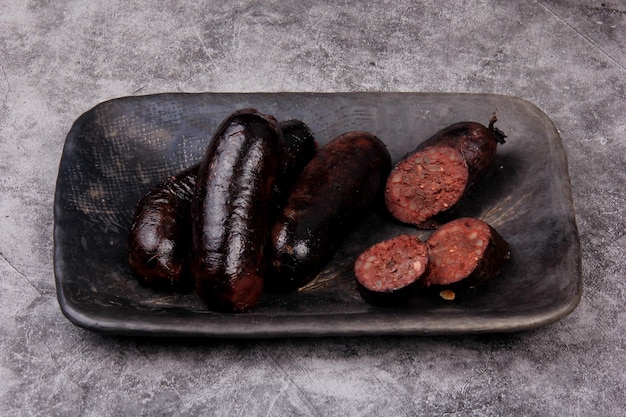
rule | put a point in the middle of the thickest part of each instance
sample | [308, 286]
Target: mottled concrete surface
[60, 58]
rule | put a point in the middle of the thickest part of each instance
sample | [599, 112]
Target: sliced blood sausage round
[232, 209]
[329, 197]
[434, 177]
[390, 271]
[160, 235]
[464, 253]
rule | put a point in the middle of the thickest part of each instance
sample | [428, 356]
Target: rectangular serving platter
[117, 150]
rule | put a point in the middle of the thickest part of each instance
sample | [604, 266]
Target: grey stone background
[60, 58]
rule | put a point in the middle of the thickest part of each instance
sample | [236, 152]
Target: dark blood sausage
[390, 271]
[300, 147]
[328, 199]
[440, 171]
[464, 253]
[160, 236]
[232, 208]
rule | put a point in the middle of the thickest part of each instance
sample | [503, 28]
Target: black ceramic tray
[116, 151]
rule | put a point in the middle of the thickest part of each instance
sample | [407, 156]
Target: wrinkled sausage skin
[330, 196]
[232, 208]
[160, 236]
[434, 177]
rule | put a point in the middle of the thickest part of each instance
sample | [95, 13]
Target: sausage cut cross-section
[434, 177]
[388, 272]
[464, 253]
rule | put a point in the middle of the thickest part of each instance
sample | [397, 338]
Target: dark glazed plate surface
[116, 151]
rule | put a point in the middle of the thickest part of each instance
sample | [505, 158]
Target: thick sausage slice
[160, 236]
[465, 252]
[331, 194]
[390, 271]
[440, 171]
[232, 209]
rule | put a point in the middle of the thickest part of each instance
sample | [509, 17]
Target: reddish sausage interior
[465, 251]
[434, 177]
[388, 271]
[430, 182]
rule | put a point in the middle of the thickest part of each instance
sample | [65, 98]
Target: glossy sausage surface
[160, 236]
[232, 209]
[330, 196]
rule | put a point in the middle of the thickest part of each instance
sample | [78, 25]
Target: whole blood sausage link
[329, 197]
[160, 237]
[232, 209]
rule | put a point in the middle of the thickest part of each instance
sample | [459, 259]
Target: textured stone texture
[58, 59]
